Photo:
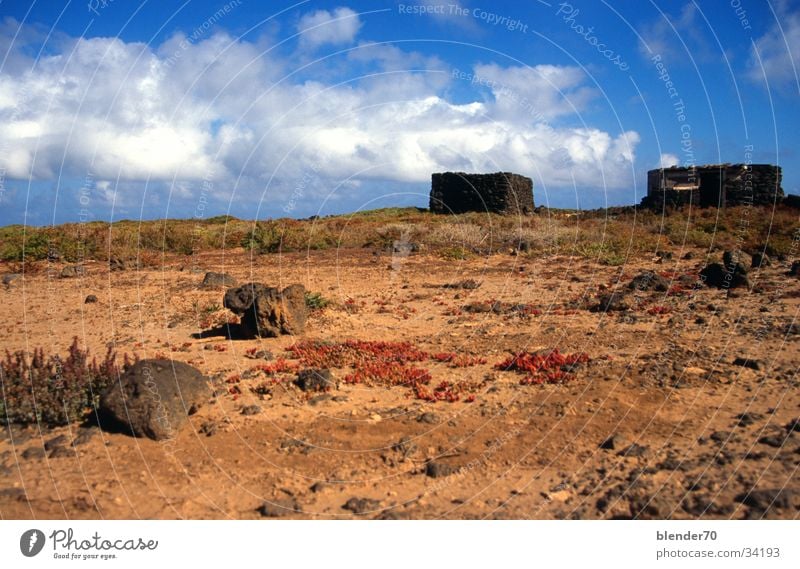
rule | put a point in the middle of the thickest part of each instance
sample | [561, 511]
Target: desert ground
[680, 404]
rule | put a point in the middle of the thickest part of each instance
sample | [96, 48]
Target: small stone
[428, 418]
[748, 363]
[249, 410]
[774, 441]
[58, 441]
[721, 436]
[218, 280]
[435, 469]
[793, 425]
[318, 487]
[63, 452]
[90, 299]
[361, 505]
[614, 301]
[612, 443]
[633, 450]
[315, 380]
[33, 453]
[72, 271]
[764, 499]
[278, 508]
[209, 428]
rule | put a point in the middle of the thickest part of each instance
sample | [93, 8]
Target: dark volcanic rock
[33, 453]
[267, 312]
[610, 302]
[217, 280]
[439, 469]
[315, 380]
[613, 442]
[155, 397]
[90, 299]
[732, 259]
[361, 505]
[72, 271]
[794, 271]
[760, 260]
[278, 508]
[764, 499]
[748, 363]
[649, 280]
[718, 276]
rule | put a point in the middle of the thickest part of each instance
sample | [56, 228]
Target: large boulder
[721, 276]
[267, 312]
[153, 398]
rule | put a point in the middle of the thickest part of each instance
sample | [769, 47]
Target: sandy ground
[694, 433]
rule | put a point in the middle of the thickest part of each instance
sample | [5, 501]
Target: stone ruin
[502, 192]
[716, 185]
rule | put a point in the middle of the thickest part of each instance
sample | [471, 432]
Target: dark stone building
[716, 185]
[502, 192]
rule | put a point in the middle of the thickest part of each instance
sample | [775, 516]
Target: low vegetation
[607, 236]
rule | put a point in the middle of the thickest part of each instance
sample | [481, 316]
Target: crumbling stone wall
[502, 192]
[716, 185]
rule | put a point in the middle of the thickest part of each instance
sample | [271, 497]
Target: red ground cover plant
[543, 367]
[386, 364]
[658, 309]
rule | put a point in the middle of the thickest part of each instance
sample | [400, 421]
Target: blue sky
[114, 109]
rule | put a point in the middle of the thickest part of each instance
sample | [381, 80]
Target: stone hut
[502, 192]
[715, 185]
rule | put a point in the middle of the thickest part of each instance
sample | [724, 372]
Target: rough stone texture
[502, 192]
[217, 280]
[71, 271]
[267, 312]
[648, 280]
[718, 276]
[154, 398]
[760, 260]
[315, 380]
[715, 185]
[10, 278]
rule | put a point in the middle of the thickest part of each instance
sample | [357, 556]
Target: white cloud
[666, 160]
[336, 27]
[220, 110]
[776, 54]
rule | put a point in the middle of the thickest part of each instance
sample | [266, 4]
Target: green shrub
[53, 390]
[315, 301]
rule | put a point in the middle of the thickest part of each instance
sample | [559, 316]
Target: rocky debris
[117, 264]
[90, 299]
[748, 363]
[85, 434]
[153, 398]
[793, 425]
[10, 278]
[58, 441]
[649, 508]
[266, 311]
[747, 418]
[33, 453]
[613, 442]
[760, 260]
[249, 410]
[794, 271]
[732, 258]
[436, 469]
[278, 508]
[315, 380]
[774, 441]
[649, 280]
[467, 284]
[633, 450]
[361, 505]
[63, 452]
[218, 280]
[718, 276]
[767, 498]
[613, 301]
[72, 271]
[260, 355]
[428, 418]
[208, 428]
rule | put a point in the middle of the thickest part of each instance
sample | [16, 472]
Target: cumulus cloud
[776, 54]
[322, 27]
[218, 110]
[666, 160]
